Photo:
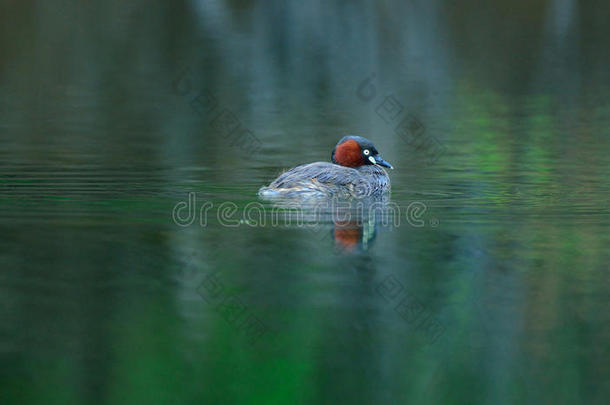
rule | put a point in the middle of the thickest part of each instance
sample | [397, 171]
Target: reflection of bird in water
[356, 171]
[352, 223]
[354, 236]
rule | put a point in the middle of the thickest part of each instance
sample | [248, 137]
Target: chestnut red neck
[348, 154]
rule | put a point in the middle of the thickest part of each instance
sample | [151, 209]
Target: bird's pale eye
[366, 152]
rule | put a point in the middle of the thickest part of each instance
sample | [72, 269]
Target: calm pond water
[492, 289]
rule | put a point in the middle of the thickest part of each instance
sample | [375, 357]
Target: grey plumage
[329, 179]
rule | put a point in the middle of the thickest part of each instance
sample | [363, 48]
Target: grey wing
[327, 177]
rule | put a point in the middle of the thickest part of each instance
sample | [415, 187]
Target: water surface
[112, 113]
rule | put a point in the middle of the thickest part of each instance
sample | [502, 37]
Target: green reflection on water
[101, 290]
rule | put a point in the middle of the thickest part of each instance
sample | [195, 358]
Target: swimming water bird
[356, 171]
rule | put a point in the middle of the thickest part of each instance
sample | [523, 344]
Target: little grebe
[355, 171]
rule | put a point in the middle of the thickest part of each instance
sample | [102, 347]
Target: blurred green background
[105, 299]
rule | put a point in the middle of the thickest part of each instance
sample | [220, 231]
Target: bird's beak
[378, 160]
